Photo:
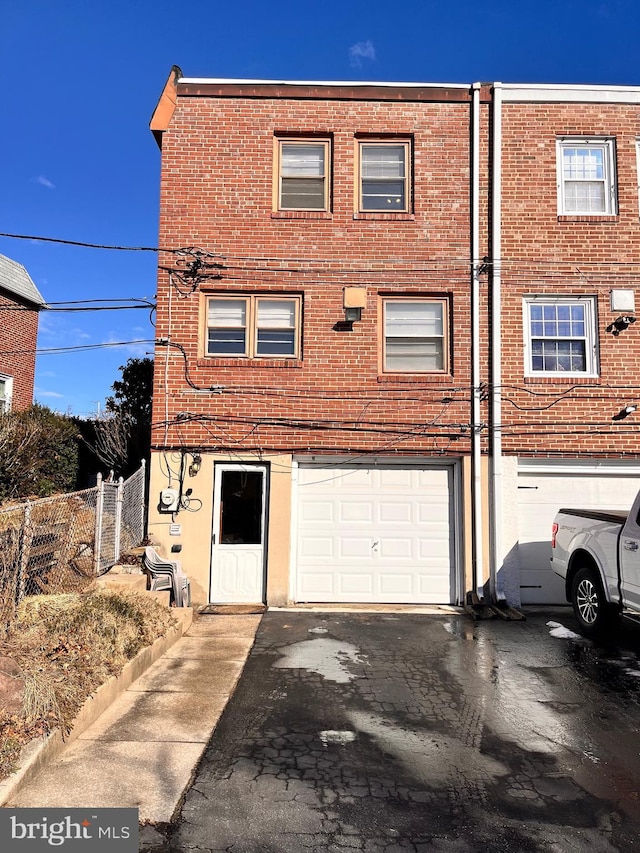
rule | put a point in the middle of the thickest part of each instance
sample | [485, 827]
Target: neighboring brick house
[20, 303]
[365, 388]
[567, 242]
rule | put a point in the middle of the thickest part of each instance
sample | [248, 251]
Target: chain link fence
[61, 544]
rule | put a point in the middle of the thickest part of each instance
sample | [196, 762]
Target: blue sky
[81, 78]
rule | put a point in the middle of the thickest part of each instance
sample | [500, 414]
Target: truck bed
[617, 516]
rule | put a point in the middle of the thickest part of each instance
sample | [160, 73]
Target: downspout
[476, 448]
[495, 502]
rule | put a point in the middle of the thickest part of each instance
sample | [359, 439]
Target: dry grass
[67, 646]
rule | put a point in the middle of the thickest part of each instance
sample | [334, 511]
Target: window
[6, 388]
[303, 167]
[253, 326]
[638, 167]
[586, 184]
[560, 336]
[415, 339]
[383, 177]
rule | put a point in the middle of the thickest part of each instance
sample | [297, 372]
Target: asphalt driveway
[396, 732]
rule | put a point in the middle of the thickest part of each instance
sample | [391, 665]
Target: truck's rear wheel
[590, 606]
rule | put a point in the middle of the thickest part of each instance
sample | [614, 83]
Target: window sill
[610, 217]
[301, 214]
[278, 363]
[573, 378]
[386, 217]
[415, 378]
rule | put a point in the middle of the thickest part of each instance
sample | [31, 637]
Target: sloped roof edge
[15, 279]
[166, 105]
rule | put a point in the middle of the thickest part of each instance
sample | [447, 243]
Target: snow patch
[330, 736]
[329, 658]
[318, 631]
[558, 630]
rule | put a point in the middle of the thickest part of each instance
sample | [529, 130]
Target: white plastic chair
[167, 575]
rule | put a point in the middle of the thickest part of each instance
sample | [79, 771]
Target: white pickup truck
[597, 552]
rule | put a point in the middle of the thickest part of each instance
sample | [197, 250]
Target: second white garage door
[375, 534]
[542, 491]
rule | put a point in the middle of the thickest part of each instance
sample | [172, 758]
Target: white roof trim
[558, 92]
[199, 81]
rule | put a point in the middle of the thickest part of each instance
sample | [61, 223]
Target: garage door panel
[322, 511]
[397, 549]
[396, 584]
[356, 584]
[317, 546]
[395, 511]
[431, 513]
[318, 582]
[542, 584]
[440, 591]
[353, 511]
[432, 552]
[393, 478]
[391, 530]
[354, 547]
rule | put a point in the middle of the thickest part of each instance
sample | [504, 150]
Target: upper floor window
[6, 388]
[415, 335]
[560, 336]
[586, 177]
[302, 174]
[253, 326]
[638, 168]
[384, 176]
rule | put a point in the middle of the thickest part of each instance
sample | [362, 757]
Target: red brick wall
[547, 254]
[18, 333]
[216, 193]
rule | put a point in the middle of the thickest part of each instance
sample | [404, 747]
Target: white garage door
[379, 534]
[540, 496]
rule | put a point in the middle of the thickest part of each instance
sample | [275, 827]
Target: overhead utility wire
[83, 244]
[465, 260]
[54, 350]
[81, 310]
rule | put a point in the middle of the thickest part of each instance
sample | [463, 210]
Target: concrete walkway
[142, 752]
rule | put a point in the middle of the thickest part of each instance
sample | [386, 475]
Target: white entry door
[238, 537]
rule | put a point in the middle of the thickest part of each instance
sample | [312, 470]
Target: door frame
[218, 470]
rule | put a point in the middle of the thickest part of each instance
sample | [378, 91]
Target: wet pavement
[401, 732]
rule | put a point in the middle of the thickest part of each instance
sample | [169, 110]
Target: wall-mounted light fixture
[354, 299]
[620, 324]
[195, 465]
[625, 412]
[623, 300]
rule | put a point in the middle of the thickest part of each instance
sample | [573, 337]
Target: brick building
[360, 393]
[20, 303]
[567, 240]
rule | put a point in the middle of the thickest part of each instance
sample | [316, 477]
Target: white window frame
[252, 324]
[323, 143]
[6, 400]
[444, 337]
[400, 142]
[607, 145]
[590, 337]
[638, 170]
